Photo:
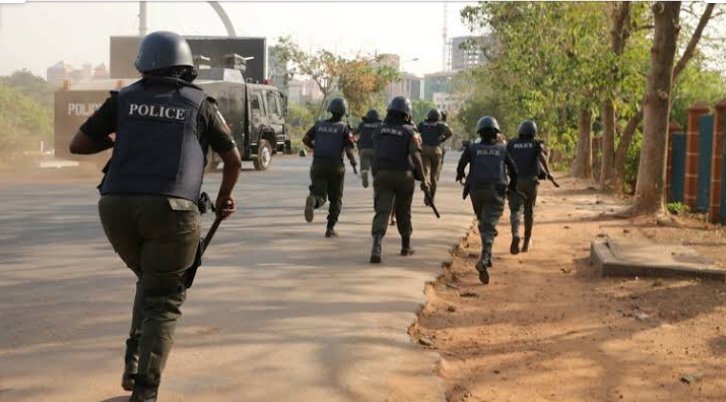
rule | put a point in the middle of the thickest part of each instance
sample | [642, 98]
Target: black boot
[527, 242]
[481, 267]
[144, 391]
[330, 232]
[377, 249]
[514, 247]
[406, 246]
[128, 379]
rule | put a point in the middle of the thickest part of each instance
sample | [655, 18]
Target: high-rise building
[440, 82]
[467, 51]
[58, 73]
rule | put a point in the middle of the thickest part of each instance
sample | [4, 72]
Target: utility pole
[445, 39]
[143, 23]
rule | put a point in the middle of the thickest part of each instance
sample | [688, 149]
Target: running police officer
[489, 162]
[397, 146]
[163, 126]
[365, 132]
[434, 131]
[529, 156]
[328, 140]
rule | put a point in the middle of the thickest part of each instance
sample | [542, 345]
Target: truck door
[257, 113]
[277, 118]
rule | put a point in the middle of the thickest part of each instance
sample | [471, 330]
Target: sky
[35, 35]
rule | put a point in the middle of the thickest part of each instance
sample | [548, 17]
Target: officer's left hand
[226, 206]
[425, 187]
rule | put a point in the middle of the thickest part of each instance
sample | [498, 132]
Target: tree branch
[688, 53]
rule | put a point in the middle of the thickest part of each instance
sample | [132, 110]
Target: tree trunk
[619, 34]
[608, 144]
[582, 165]
[649, 190]
[621, 154]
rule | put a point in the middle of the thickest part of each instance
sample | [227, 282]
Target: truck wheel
[264, 155]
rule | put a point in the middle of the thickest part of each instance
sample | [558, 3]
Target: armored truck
[254, 112]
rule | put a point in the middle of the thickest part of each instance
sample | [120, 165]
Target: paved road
[278, 313]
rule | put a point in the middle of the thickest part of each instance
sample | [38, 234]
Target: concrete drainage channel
[643, 258]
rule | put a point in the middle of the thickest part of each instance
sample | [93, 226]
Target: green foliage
[360, 79]
[678, 208]
[23, 124]
[32, 86]
[695, 84]
[632, 163]
[299, 120]
[421, 109]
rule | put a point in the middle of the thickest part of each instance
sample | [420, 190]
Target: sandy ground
[548, 328]
[277, 313]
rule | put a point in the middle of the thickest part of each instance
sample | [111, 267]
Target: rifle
[204, 204]
[430, 200]
[552, 179]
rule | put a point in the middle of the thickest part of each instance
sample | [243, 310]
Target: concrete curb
[609, 265]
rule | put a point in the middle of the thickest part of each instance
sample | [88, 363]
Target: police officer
[367, 127]
[163, 126]
[397, 151]
[529, 156]
[434, 131]
[487, 183]
[329, 139]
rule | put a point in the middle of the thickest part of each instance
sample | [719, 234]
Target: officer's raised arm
[463, 162]
[93, 136]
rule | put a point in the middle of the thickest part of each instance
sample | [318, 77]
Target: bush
[678, 208]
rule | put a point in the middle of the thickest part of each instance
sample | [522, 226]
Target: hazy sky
[37, 35]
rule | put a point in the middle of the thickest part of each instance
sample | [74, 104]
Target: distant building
[303, 91]
[450, 103]
[440, 82]
[100, 72]
[467, 51]
[409, 86]
[58, 73]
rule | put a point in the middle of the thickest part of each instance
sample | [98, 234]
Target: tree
[322, 66]
[23, 124]
[32, 86]
[359, 79]
[649, 194]
[628, 133]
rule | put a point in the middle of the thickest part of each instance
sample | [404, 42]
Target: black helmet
[487, 122]
[160, 50]
[400, 104]
[338, 106]
[372, 115]
[434, 115]
[527, 128]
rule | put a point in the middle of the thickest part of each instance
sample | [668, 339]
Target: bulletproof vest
[430, 133]
[157, 150]
[329, 140]
[525, 152]
[365, 136]
[487, 164]
[391, 147]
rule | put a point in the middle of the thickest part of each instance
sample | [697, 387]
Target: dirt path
[548, 328]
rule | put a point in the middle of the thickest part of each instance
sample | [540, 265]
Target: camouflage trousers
[327, 181]
[393, 191]
[519, 205]
[432, 158]
[488, 204]
[157, 238]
